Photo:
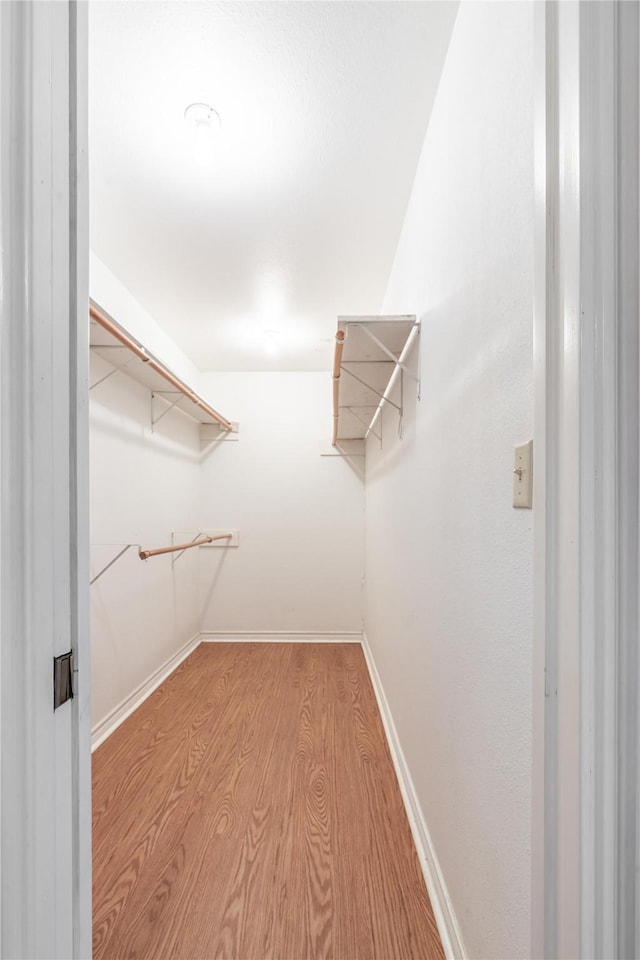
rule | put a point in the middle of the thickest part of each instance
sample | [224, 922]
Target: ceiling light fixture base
[202, 113]
[206, 125]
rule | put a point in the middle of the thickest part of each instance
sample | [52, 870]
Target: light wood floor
[249, 810]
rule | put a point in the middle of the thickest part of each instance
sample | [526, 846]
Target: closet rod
[145, 554]
[337, 363]
[108, 324]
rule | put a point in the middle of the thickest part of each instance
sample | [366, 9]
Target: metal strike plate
[62, 679]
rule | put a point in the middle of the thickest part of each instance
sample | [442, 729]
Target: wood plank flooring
[249, 810]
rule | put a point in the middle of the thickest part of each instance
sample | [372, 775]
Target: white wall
[144, 485]
[448, 598]
[300, 515]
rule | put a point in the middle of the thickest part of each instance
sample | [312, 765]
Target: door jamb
[586, 365]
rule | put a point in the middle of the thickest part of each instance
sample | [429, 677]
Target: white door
[45, 867]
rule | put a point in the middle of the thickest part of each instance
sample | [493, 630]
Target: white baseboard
[115, 717]
[276, 636]
[440, 901]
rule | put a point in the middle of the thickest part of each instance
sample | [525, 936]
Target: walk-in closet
[303, 400]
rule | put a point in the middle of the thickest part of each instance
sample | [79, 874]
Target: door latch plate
[62, 679]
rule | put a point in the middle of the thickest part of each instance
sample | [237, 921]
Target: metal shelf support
[386, 351]
[111, 562]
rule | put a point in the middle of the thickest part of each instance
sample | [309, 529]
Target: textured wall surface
[300, 514]
[448, 595]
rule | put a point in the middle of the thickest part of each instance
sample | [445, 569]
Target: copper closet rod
[145, 554]
[107, 324]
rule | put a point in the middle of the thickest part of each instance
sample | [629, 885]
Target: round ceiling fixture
[206, 125]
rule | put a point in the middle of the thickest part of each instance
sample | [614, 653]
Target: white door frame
[586, 366]
[45, 859]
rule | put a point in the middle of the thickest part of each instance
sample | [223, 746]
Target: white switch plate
[523, 475]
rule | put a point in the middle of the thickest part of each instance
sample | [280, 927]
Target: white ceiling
[324, 109]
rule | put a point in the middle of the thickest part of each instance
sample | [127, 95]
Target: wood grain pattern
[249, 810]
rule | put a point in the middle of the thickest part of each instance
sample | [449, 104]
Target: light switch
[523, 475]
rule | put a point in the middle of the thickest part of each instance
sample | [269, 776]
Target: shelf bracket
[369, 387]
[111, 562]
[175, 559]
[364, 423]
[102, 379]
[111, 372]
[385, 349]
[170, 406]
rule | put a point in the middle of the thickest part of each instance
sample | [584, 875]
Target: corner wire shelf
[370, 351]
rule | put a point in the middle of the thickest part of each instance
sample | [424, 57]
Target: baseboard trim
[446, 920]
[278, 636]
[112, 721]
